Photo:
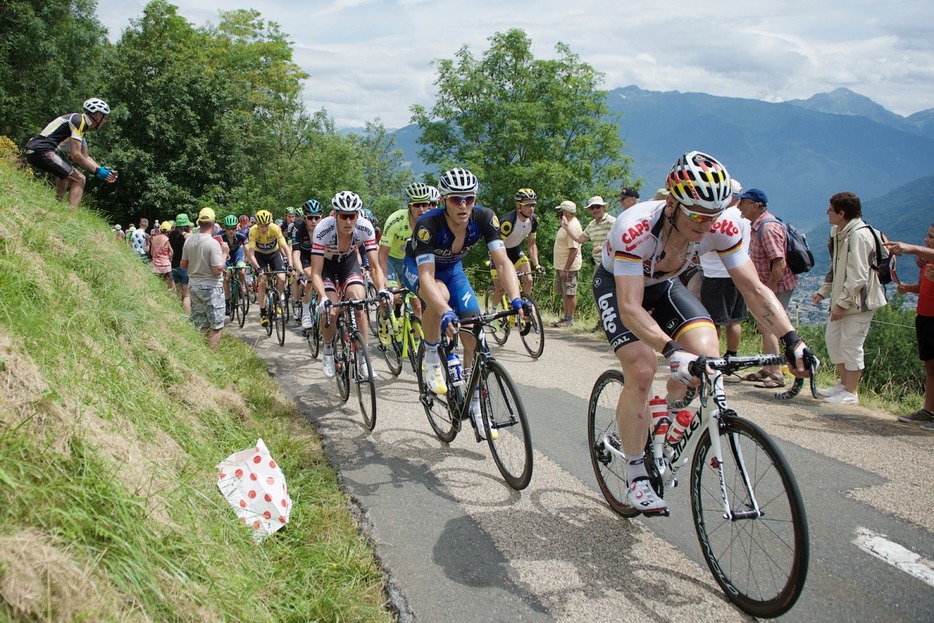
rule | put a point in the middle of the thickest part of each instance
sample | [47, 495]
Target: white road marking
[894, 554]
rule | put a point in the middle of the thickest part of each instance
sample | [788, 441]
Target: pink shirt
[771, 246]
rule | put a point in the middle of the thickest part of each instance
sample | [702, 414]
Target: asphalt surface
[458, 544]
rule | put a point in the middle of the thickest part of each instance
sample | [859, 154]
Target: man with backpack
[855, 294]
[767, 250]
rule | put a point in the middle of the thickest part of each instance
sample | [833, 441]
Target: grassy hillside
[113, 414]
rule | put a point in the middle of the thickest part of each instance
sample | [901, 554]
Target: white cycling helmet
[418, 192]
[458, 182]
[94, 105]
[698, 179]
[433, 195]
[347, 201]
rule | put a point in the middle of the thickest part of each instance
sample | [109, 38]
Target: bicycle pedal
[659, 513]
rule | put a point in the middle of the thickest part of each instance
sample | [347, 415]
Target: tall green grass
[113, 415]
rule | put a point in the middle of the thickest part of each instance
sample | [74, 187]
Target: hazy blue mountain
[924, 122]
[797, 155]
[845, 102]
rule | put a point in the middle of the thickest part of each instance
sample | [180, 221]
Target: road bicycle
[531, 329]
[371, 293]
[275, 308]
[505, 424]
[747, 510]
[399, 332]
[351, 358]
[239, 302]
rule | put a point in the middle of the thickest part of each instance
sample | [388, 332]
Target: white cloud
[372, 58]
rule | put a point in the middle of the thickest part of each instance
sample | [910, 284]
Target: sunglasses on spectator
[699, 217]
[596, 206]
[348, 216]
[465, 199]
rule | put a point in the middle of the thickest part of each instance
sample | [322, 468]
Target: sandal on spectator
[755, 377]
[772, 381]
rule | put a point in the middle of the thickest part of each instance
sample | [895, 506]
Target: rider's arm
[532, 245]
[382, 257]
[760, 299]
[376, 269]
[317, 281]
[79, 154]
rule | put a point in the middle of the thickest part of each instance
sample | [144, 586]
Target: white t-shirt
[710, 261]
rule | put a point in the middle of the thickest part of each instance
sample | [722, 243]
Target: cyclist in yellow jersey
[398, 229]
[516, 226]
[266, 249]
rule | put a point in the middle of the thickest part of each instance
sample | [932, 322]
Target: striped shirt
[597, 232]
[767, 247]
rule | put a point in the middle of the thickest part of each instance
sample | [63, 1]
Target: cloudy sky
[373, 58]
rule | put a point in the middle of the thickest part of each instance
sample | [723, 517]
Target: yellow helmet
[263, 217]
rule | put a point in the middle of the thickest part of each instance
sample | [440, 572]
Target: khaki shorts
[207, 307]
[845, 339]
[568, 285]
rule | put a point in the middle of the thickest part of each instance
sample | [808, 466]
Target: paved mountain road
[460, 545]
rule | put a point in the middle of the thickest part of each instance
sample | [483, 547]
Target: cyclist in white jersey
[335, 266]
[645, 309]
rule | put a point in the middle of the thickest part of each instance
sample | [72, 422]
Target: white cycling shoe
[433, 374]
[643, 498]
[477, 417]
[306, 320]
[328, 365]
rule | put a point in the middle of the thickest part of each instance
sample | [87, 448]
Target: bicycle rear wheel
[601, 426]
[761, 562]
[313, 335]
[342, 362]
[270, 306]
[498, 329]
[503, 412]
[532, 330]
[366, 387]
[439, 409]
[389, 341]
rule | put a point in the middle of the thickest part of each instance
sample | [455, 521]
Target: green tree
[517, 121]
[383, 168]
[50, 59]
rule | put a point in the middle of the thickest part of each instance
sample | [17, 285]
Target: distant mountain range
[799, 152]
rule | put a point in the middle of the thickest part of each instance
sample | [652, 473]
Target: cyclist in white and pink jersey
[335, 266]
[645, 309]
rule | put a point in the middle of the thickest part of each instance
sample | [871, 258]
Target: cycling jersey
[301, 237]
[58, 131]
[324, 241]
[235, 247]
[515, 230]
[267, 243]
[634, 247]
[397, 233]
[433, 240]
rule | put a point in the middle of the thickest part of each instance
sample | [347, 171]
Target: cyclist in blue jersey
[433, 269]
[304, 232]
[235, 240]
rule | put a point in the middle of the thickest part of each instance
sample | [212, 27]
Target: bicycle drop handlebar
[355, 303]
[733, 363]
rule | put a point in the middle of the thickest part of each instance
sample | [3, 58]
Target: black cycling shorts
[269, 261]
[49, 161]
[340, 273]
[669, 303]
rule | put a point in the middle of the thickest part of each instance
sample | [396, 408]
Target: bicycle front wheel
[532, 331]
[371, 308]
[504, 413]
[342, 362]
[498, 329]
[601, 428]
[389, 341]
[270, 307]
[279, 321]
[439, 409]
[366, 388]
[760, 562]
[243, 301]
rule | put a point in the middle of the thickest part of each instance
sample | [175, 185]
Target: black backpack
[882, 265]
[798, 255]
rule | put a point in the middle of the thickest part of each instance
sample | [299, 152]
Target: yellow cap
[206, 215]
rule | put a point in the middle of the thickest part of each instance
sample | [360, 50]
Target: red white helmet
[698, 179]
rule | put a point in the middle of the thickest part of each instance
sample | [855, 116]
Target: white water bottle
[456, 370]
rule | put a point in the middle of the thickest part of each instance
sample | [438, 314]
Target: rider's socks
[431, 351]
[635, 467]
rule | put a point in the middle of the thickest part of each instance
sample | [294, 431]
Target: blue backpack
[798, 255]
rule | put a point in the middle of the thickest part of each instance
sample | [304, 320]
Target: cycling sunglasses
[348, 216]
[699, 217]
[423, 204]
[312, 217]
[465, 199]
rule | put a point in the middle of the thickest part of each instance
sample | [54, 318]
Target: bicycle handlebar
[733, 363]
[355, 303]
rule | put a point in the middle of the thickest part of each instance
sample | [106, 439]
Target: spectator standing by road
[854, 291]
[160, 250]
[177, 238]
[720, 295]
[42, 150]
[628, 197]
[596, 232]
[924, 322]
[567, 260]
[139, 239]
[767, 251]
[204, 260]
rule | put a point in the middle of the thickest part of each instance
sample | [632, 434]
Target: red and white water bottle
[658, 409]
[677, 428]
